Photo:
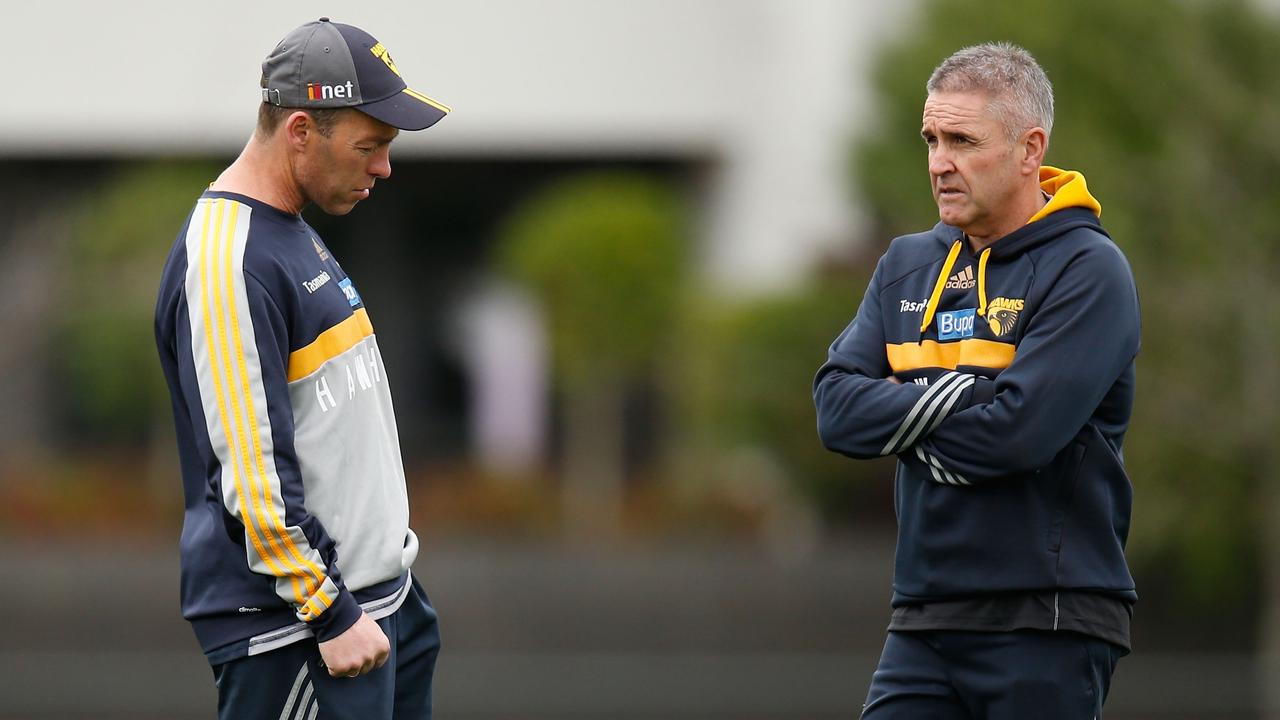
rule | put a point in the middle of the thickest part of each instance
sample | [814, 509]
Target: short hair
[270, 116]
[1020, 92]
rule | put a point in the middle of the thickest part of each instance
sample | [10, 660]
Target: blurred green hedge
[745, 376]
[111, 386]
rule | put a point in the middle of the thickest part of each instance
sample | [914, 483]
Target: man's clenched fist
[363, 647]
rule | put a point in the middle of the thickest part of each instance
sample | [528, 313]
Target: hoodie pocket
[1067, 477]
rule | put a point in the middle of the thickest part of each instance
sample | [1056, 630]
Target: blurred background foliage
[679, 409]
[110, 384]
[1170, 109]
[744, 374]
[604, 254]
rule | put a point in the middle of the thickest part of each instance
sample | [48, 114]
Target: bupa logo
[349, 290]
[956, 324]
[316, 91]
[1002, 315]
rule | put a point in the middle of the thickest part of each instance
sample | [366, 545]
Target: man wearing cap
[296, 548]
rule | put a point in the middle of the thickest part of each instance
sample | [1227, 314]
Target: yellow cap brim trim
[423, 98]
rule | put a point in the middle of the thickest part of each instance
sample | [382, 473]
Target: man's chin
[950, 217]
[337, 208]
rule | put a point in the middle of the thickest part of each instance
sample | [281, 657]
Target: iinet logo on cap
[316, 91]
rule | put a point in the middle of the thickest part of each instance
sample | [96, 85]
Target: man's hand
[361, 648]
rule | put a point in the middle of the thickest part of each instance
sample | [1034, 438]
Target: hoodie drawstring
[932, 306]
[982, 282]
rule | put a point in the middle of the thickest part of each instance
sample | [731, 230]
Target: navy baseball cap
[326, 64]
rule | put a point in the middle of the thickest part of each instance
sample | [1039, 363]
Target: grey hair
[1021, 96]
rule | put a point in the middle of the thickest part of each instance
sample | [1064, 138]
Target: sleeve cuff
[339, 616]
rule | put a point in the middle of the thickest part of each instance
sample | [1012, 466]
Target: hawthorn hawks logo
[380, 52]
[1002, 315]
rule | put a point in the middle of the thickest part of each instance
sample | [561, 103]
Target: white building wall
[769, 90]
[785, 196]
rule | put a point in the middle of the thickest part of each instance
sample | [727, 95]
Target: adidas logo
[962, 280]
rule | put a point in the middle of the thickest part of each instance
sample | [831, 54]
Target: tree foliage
[745, 373]
[106, 358]
[1170, 109]
[605, 253]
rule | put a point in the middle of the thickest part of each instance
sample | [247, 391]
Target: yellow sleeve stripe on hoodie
[277, 523]
[240, 425]
[209, 256]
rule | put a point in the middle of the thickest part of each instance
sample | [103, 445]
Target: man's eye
[961, 140]
[364, 150]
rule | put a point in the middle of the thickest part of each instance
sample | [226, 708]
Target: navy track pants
[960, 675]
[290, 684]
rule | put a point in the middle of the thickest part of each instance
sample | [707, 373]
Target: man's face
[973, 168]
[338, 171]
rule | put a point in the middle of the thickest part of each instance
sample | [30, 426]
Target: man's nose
[381, 166]
[940, 162]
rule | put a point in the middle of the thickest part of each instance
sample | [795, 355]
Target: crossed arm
[1079, 342]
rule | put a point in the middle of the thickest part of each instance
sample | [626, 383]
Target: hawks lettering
[361, 372]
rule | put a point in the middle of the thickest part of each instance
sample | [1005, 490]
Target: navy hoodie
[1017, 367]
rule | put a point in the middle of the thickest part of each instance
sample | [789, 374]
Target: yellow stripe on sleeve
[225, 302]
[309, 611]
[930, 353]
[329, 344]
[209, 256]
[277, 535]
[316, 606]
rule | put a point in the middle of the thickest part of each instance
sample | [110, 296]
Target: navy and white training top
[296, 510]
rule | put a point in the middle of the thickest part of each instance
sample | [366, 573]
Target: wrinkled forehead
[963, 107]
